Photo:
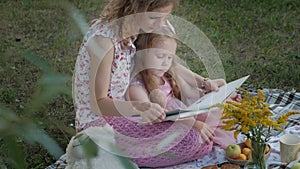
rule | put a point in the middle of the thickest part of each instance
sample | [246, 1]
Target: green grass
[257, 38]
[252, 37]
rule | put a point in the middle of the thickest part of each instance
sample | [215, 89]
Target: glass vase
[258, 156]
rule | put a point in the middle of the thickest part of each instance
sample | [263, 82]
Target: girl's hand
[150, 112]
[205, 131]
[157, 96]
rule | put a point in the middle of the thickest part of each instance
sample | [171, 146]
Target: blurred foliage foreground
[15, 129]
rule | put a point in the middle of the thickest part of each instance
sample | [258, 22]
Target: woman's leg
[144, 143]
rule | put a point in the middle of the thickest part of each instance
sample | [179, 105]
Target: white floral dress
[120, 74]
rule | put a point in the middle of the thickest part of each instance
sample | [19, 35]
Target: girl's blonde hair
[146, 41]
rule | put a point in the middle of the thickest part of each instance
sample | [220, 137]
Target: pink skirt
[158, 145]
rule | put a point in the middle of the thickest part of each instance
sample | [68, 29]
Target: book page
[219, 96]
[212, 98]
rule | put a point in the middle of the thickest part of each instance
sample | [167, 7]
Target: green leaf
[12, 127]
[32, 134]
[15, 152]
[39, 62]
[50, 87]
[90, 148]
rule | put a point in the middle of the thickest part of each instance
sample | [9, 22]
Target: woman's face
[153, 20]
[159, 58]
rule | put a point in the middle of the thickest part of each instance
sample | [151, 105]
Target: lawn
[259, 38]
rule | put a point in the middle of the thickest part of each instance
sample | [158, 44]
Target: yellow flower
[251, 116]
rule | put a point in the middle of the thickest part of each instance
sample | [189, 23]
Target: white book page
[219, 96]
[202, 105]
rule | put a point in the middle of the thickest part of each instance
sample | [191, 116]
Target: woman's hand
[205, 131]
[150, 112]
[235, 97]
[212, 85]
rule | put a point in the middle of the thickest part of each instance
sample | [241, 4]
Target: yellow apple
[241, 157]
[296, 166]
[247, 152]
[233, 151]
[267, 149]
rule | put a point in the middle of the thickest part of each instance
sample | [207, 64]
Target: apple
[233, 151]
[241, 157]
[247, 152]
[267, 149]
[296, 166]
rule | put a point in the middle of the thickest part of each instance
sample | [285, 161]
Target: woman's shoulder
[102, 30]
[104, 42]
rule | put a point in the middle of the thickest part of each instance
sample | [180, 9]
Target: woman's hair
[146, 41]
[116, 9]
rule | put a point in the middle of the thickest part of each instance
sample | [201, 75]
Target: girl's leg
[223, 138]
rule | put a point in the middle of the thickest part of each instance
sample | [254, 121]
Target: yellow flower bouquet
[253, 118]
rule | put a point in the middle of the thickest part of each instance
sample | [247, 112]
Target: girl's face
[153, 20]
[159, 58]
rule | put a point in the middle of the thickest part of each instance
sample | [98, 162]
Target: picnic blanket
[280, 102]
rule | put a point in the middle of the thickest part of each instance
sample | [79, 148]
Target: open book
[202, 105]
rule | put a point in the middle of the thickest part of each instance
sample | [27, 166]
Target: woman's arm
[101, 51]
[196, 80]
[194, 86]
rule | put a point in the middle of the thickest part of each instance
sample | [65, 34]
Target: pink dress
[144, 144]
[222, 138]
[172, 102]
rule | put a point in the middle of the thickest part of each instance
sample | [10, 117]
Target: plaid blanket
[279, 100]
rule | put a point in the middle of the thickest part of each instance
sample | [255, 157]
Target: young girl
[155, 82]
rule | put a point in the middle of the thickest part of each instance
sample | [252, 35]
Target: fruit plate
[243, 162]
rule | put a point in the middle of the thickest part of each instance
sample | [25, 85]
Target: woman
[102, 74]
